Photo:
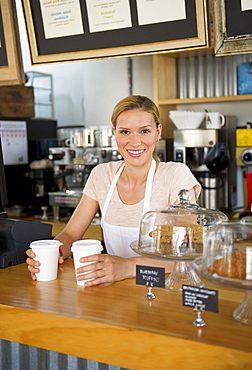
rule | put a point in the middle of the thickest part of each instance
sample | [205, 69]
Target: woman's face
[136, 134]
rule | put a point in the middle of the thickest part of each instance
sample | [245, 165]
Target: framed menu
[11, 67]
[233, 26]
[65, 30]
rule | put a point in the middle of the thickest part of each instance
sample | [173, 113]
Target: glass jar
[227, 260]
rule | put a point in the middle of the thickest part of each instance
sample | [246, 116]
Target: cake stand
[177, 234]
[244, 312]
[182, 271]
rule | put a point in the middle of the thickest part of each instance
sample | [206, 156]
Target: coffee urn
[209, 153]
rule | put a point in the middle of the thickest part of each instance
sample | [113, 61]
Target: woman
[124, 191]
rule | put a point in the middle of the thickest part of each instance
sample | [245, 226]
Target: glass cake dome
[177, 234]
[227, 260]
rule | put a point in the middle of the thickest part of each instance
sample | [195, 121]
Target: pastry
[196, 235]
[231, 265]
[178, 239]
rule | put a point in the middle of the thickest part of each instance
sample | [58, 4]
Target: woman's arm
[112, 268]
[78, 224]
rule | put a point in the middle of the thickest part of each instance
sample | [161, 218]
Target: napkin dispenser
[16, 236]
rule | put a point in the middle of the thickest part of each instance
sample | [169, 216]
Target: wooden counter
[94, 231]
[117, 325]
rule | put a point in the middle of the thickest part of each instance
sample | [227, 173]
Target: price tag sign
[195, 296]
[150, 275]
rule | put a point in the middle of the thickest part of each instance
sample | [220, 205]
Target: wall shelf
[166, 79]
[211, 99]
[43, 93]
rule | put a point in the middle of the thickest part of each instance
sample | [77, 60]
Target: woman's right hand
[33, 265]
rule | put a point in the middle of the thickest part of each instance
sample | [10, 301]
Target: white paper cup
[83, 248]
[47, 253]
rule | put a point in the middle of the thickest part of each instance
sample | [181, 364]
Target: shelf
[168, 74]
[43, 93]
[43, 88]
[211, 99]
[43, 103]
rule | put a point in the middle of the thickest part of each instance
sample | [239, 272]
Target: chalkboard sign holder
[11, 67]
[232, 28]
[187, 33]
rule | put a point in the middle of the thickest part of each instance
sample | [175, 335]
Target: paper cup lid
[50, 243]
[87, 244]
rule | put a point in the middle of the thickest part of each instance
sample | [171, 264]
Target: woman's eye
[124, 132]
[145, 131]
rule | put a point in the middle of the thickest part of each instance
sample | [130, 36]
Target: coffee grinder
[208, 153]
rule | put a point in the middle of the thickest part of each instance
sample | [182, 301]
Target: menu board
[239, 18]
[79, 29]
[232, 26]
[3, 54]
[11, 67]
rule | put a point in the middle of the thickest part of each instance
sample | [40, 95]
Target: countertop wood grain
[117, 325]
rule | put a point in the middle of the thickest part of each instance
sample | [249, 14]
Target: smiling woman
[124, 191]
[148, 118]
[136, 134]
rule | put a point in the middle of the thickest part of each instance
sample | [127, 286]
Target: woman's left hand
[104, 269]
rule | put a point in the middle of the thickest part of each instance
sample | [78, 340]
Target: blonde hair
[134, 102]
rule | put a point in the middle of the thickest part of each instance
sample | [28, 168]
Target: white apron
[118, 238]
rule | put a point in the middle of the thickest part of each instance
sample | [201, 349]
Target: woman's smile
[135, 153]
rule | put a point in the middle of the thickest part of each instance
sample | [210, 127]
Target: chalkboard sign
[11, 68]
[62, 30]
[232, 27]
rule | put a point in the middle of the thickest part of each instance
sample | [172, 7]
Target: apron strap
[111, 190]
[147, 195]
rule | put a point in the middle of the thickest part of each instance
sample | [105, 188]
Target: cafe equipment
[164, 149]
[244, 159]
[186, 120]
[16, 236]
[72, 166]
[36, 136]
[80, 137]
[227, 260]
[177, 234]
[85, 138]
[209, 154]
[65, 132]
[70, 178]
[103, 137]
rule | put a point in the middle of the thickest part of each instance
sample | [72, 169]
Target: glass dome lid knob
[184, 196]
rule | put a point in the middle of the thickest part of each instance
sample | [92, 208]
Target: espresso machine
[70, 178]
[210, 156]
[74, 162]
